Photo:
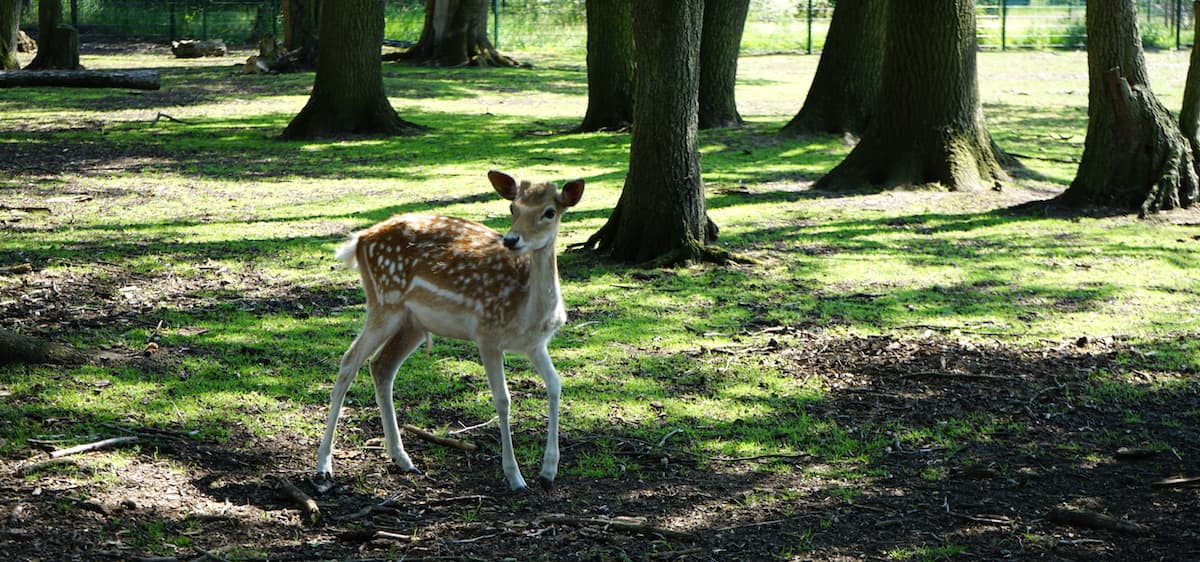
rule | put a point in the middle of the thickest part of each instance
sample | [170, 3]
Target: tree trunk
[10, 20]
[133, 79]
[1134, 157]
[660, 215]
[1189, 114]
[455, 34]
[58, 43]
[610, 65]
[17, 348]
[845, 88]
[347, 95]
[928, 128]
[301, 24]
[720, 43]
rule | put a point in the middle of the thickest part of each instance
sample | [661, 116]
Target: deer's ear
[572, 192]
[504, 184]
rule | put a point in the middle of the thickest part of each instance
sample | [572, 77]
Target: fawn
[432, 274]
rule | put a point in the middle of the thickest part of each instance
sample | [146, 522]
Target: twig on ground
[438, 439]
[952, 375]
[1092, 520]
[308, 506]
[635, 525]
[24, 209]
[92, 446]
[667, 436]
[474, 427]
[975, 519]
[762, 457]
[168, 118]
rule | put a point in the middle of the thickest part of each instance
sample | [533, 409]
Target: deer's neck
[545, 307]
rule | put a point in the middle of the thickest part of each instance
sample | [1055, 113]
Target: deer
[433, 274]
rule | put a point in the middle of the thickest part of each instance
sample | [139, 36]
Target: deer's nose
[510, 241]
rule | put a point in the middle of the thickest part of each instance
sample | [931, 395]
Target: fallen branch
[93, 446]
[1092, 520]
[135, 79]
[30, 468]
[636, 525]
[24, 209]
[308, 506]
[1178, 482]
[438, 439]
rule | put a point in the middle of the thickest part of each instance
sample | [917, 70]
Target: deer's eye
[549, 214]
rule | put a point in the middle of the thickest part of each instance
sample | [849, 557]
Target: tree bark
[1135, 157]
[720, 44]
[348, 96]
[10, 21]
[1189, 114]
[17, 348]
[133, 79]
[301, 25]
[660, 216]
[845, 88]
[455, 34]
[58, 43]
[610, 65]
[928, 127]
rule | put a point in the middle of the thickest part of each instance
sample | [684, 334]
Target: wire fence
[559, 26]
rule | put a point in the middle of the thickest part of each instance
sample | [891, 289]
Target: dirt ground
[1021, 494]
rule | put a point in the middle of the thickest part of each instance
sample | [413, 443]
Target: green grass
[213, 240]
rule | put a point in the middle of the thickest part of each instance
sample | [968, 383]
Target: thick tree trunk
[928, 128]
[720, 43]
[347, 96]
[1189, 114]
[610, 65]
[17, 348]
[133, 79]
[845, 88]
[10, 20]
[1134, 157]
[455, 34]
[660, 216]
[58, 43]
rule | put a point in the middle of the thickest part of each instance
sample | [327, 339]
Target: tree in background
[301, 23]
[347, 95]
[1134, 157]
[58, 43]
[720, 44]
[455, 34]
[610, 65]
[928, 124]
[1189, 114]
[10, 21]
[660, 216]
[845, 88]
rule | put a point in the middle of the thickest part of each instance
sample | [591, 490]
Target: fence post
[1178, 22]
[1003, 25]
[204, 20]
[808, 48]
[496, 23]
[75, 14]
[171, 21]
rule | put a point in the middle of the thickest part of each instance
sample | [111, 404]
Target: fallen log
[133, 79]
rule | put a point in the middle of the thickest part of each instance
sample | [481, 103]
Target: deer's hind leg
[383, 372]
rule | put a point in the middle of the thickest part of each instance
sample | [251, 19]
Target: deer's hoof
[546, 484]
[323, 482]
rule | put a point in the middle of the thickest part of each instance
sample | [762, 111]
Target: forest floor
[1049, 487]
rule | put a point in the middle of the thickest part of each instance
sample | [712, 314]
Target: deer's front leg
[544, 367]
[493, 363]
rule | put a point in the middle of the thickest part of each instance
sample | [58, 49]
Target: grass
[212, 240]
